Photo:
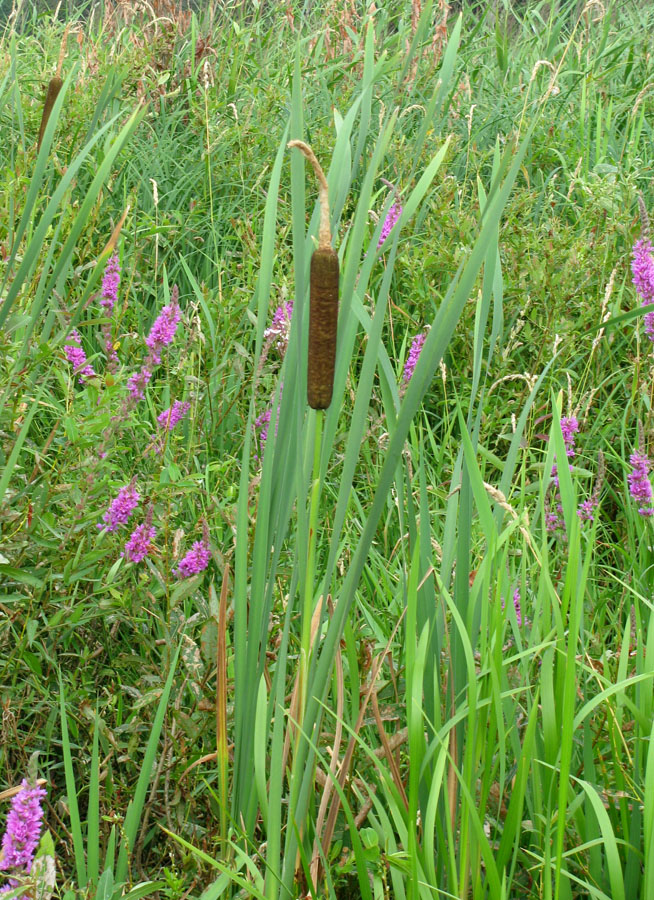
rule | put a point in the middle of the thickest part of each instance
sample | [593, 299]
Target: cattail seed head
[323, 311]
[53, 92]
[323, 317]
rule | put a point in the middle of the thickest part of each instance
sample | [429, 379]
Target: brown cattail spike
[53, 92]
[323, 310]
[323, 316]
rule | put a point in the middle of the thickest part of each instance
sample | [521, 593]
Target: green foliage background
[487, 757]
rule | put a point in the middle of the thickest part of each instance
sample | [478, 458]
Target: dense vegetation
[395, 649]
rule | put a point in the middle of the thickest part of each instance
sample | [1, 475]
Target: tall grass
[393, 679]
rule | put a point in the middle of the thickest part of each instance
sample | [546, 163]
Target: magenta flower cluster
[164, 328]
[262, 422]
[390, 222]
[109, 298]
[413, 357]
[195, 561]
[23, 831]
[77, 357]
[569, 427]
[279, 329]
[586, 511]
[139, 543]
[161, 335]
[516, 605]
[172, 416]
[120, 508]
[640, 487]
[642, 267]
[110, 283]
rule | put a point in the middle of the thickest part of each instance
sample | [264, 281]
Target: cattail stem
[307, 608]
[324, 230]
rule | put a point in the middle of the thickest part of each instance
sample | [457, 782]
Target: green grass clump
[372, 650]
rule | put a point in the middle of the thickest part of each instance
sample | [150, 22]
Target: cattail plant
[53, 92]
[54, 87]
[323, 310]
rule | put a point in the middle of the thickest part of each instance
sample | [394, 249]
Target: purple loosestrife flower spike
[121, 508]
[172, 416]
[164, 328]
[278, 332]
[569, 427]
[642, 267]
[516, 606]
[195, 561]
[262, 422]
[23, 828]
[640, 486]
[110, 282]
[139, 544]
[586, 511]
[77, 357]
[137, 383]
[414, 356]
[390, 222]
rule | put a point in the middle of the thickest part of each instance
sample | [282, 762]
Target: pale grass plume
[641, 96]
[530, 380]
[573, 180]
[522, 518]
[605, 313]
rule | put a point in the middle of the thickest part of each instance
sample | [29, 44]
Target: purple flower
[110, 282]
[516, 605]
[278, 332]
[586, 511]
[262, 422]
[77, 357]
[121, 508]
[390, 221]
[139, 543]
[640, 486]
[569, 427]
[173, 415]
[642, 267]
[23, 828]
[414, 355]
[196, 560]
[164, 328]
[137, 383]
[552, 520]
